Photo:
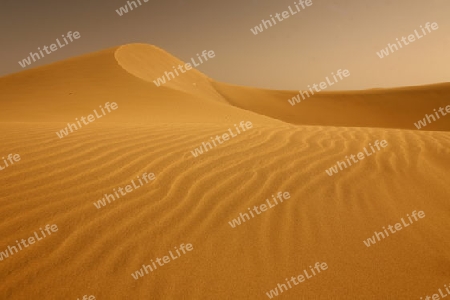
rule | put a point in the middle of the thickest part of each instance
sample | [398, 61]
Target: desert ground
[192, 199]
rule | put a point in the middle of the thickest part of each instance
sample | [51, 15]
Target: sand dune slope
[150, 63]
[125, 74]
[193, 199]
[63, 91]
[386, 108]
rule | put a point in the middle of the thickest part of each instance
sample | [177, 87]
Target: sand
[154, 130]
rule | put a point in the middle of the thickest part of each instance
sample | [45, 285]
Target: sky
[299, 51]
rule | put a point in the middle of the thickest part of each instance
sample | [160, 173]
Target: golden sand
[192, 199]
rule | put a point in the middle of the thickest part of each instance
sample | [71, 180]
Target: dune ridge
[130, 70]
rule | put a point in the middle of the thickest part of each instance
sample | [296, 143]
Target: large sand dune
[192, 199]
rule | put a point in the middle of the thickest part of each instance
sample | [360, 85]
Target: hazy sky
[301, 50]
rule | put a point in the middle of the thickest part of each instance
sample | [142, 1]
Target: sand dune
[386, 108]
[192, 199]
[65, 90]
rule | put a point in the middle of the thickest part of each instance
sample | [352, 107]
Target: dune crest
[129, 70]
[149, 63]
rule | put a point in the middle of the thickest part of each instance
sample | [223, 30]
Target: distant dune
[192, 199]
[386, 108]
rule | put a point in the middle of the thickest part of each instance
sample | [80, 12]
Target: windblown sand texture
[192, 199]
